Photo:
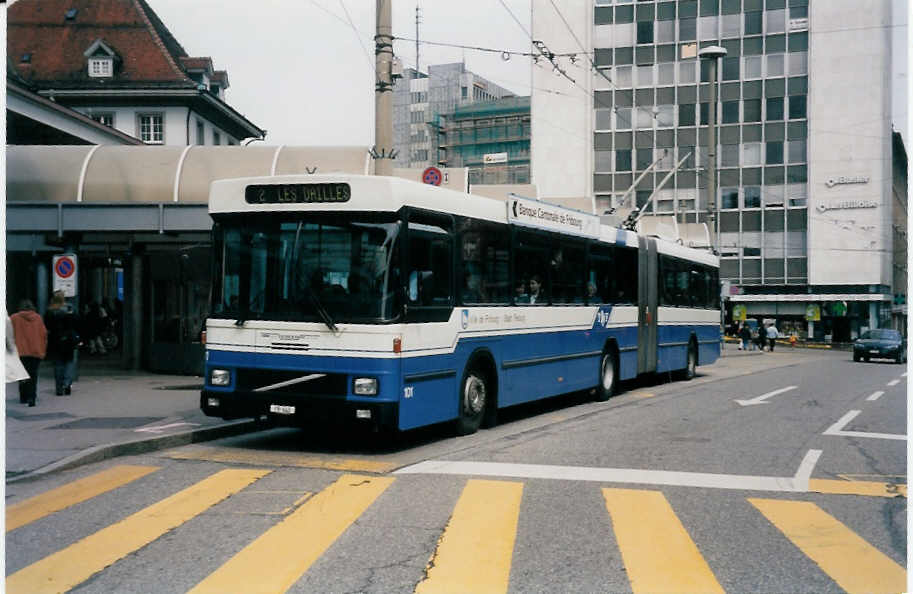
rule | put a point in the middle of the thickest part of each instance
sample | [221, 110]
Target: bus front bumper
[292, 410]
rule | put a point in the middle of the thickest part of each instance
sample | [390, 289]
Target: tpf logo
[602, 317]
[464, 319]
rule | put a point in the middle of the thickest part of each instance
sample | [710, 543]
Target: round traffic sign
[65, 267]
[432, 175]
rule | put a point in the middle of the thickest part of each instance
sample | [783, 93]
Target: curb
[141, 446]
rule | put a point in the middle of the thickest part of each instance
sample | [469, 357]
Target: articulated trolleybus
[407, 304]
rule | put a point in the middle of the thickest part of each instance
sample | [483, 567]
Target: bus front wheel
[608, 376]
[473, 399]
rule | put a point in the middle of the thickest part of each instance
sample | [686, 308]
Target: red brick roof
[148, 50]
[204, 63]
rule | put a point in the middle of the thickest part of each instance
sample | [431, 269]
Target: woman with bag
[63, 338]
[31, 340]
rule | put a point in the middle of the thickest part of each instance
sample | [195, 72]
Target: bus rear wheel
[473, 400]
[608, 377]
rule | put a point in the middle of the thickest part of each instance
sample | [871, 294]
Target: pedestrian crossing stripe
[280, 556]
[55, 500]
[78, 562]
[658, 554]
[480, 535]
[475, 549]
[842, 554]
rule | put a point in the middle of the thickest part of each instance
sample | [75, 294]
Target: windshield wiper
[321, 310]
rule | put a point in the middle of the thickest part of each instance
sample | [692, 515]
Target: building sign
[798, 24]
[845, 204]
[813, 312]
[494, 158]
[739, 313]
[541, 215]
[846, 179]
[64, 267]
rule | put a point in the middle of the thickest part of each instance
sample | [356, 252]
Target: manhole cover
[21, 416]
[108, 423]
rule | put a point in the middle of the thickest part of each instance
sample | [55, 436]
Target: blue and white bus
[406, 304]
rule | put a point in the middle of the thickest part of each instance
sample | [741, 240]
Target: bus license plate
[281, 409]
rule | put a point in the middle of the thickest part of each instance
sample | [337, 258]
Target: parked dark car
[880, 344]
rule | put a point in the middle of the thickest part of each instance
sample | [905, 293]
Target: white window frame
[101, 67]
[105, 118]
[151, 117]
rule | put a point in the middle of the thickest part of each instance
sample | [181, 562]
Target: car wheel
[608, 376]
[473, 398]
[866, 359]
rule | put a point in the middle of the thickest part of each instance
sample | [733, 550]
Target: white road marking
[893, 382]
[875, 396]
[795, 484]
[837, 429]
[162, 428]
[761, 399]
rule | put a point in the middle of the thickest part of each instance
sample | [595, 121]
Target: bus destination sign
[297, 193]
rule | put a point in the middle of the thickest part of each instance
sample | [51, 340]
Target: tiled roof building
[116, 62]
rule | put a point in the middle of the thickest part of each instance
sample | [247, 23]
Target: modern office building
[419, 99]
[805, 182]
[491, 139]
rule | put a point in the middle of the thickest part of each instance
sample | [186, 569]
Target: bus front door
[646, 306]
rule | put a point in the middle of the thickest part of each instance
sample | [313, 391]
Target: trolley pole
[383, 90]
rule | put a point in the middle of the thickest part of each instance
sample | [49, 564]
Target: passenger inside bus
[520, 294]
[536, 291]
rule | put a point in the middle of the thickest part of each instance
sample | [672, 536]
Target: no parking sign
[65, 274]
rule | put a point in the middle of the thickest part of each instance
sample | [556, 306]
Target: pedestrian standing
[63, 338]
[31, 338]
[745, 335]
[772, 336]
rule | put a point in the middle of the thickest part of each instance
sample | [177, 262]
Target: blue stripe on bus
[558, 362]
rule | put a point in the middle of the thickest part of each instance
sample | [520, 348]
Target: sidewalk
[112, 412]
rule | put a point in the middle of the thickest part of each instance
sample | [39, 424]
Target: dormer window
[101, 67]
[100, 60]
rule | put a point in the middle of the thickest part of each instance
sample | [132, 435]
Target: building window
[151, 128]
[645, 32]
[644, 158]
[603, 119]
[796, 151]
[775, 108]
[729, 198]
[604, 161]
[665, 116]
[776, 21]
[774, 65]
[731, 68]
[752, 196]
[216, 138]
[644, 118]
[730, 112]
[645, 76]
[751, 153]
[201, 138]
[709, 28]
[686, 115]
[774, 153]
[101, 67]
[752, 67]
[666, 74]
[797, 194]
[797, 107]
[623, 160]
[623, 118]
[623, 76]
[731, 25]
[687, 72]
[106, 118]
[665, 31]
[753, 23]
[687, 29]
[798, 63]
[752, 109]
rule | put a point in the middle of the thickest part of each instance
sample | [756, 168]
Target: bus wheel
[608, 376]
[473, 398]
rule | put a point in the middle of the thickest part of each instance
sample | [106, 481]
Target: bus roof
[390, 194]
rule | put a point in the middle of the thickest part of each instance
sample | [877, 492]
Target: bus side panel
[708, 339]
[429, 389]
[525, 374]
[673, 346]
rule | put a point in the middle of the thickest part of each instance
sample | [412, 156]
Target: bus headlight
[365, 386]
[219, 377]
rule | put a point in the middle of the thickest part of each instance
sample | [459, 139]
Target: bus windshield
[306, 267]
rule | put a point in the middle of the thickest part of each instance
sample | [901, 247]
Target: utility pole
[712, 55]
[383, 90]
[418, 19]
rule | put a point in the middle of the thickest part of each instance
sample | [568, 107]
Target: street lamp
[712, 54]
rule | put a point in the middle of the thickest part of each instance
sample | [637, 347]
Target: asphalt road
[674, 486]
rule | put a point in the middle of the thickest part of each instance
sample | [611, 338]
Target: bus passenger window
[430, 264]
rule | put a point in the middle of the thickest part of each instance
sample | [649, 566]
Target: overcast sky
[298, 68]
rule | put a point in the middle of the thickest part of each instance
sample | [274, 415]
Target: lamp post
[712, 54]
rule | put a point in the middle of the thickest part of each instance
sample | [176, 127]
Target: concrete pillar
[42, 284]
[133, 313]
[873, 314]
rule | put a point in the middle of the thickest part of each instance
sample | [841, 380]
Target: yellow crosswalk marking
[849, 560]
[475, 551]
[35, 508]
[78, 562]
[268, 458]
[865, 488]
[658, 553]
[281, 555]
